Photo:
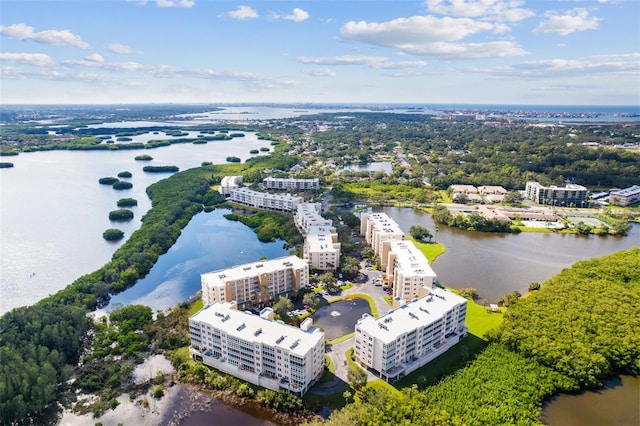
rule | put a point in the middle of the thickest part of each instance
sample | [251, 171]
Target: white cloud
[627, 64]
[243, 12]
[94, 57]
[297, 15]
[36, 59]
[321, 72]
[577, 19]
[431, 37]
[176, 3]
[498, 10]
[56, 37]
[376, 62]
[121, 49]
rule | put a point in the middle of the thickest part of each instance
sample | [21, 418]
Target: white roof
[254, 328]
[319, 239]
[219, 277]
[384, 224]
[408, 317]
[410, 259]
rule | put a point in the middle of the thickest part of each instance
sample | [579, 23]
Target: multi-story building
[291, 183]
[408, 270]
[412, 334]
[255, 283]
[570, 195]
[321, 248]
[379, 230]
[229, 184]
[263, 200]
[257, 349]
[625, 197]
[308, 215]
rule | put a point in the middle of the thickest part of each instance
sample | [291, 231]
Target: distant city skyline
[565, 52]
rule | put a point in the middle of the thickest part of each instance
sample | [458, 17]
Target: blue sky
[383, 51]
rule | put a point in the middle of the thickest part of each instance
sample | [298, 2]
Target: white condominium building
[321, 248]
[257, 349]
[569, 196]
[291, 183]
[308, 215]
[410, 335]
[408, 270]
[625, 197]
[262, 200]
[255, 283]
[378, 230]
[229, 184]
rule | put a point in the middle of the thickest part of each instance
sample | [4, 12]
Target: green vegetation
[232, 159]
[430, 250]
[143, 157]
[120, 215]
[113, 234]
[472, 222]
[5, 165]
[120, 185]
[160, 169]
[107, 180]
[581, 322]
[127, 202]
[254, 151]
[124, 174]
[269, 226]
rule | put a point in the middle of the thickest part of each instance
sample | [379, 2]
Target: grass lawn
[340, 339]
[430, 250]
[445, 197]
[196, 307]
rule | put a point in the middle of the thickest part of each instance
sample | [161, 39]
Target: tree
[283, 305]
[420, 233]
[311, 299]
[513, 198]
[357, 377]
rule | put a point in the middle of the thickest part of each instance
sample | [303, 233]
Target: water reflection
[209, 242]
[496, 264]
[339, 318]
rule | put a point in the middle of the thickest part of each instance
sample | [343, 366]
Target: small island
[127, 202]
[113, 234]
[143, 157]
[160, 169]
[120, 215]
[124, 174]
[110, 180]
[233, 160]
[120, 185]
[5, 165]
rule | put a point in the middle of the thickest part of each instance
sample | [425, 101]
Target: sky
[543, 52]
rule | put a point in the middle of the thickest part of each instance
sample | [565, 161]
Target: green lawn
[430, 250]
[196, 307]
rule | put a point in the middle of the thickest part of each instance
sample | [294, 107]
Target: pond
[339, 318]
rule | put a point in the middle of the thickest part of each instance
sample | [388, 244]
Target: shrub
[107, 180]
[144, 157]
[254, 151]
[5, 165]
[120, 215]
[158, 392]
[112, 234]
[124, 174]
[119, 185]
[233, 160]
[534, 286]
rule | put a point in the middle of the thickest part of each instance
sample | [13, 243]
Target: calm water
[618, 404]
[53, 211]
[339, 318]
[496, 264]
[208, 243]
